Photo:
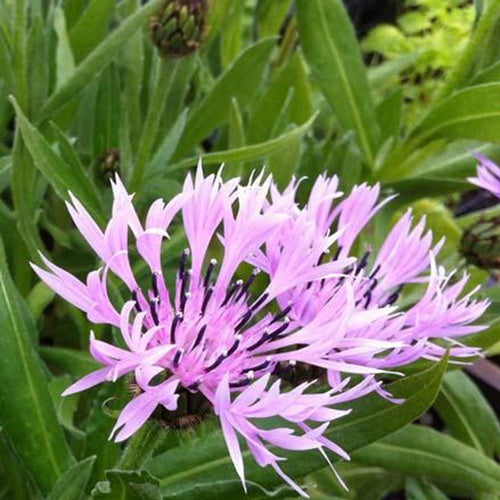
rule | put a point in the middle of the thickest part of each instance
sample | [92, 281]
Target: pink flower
[212, 335]
[488, 175]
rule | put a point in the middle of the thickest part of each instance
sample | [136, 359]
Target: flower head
[219, 339]
[215, 333]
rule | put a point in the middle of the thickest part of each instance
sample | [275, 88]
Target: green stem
[154, 114]
[461, 70]
[141, 446]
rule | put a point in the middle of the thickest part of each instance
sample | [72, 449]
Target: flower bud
[108, 165]
[178, 27]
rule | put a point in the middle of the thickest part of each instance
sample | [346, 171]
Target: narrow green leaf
[423, 452]
[65, 63]
[62, 176]
[489, 75]
[97, 60]
[331, 49]
[420, 490]
[249, 153]
[205, 467]
[389, 113]
[91, 27]
[72, 484]
[26, 410]
[467, 414]
[160, 160]
[471, 113]
[165, 74]
[236, 137]
[263, 113]
[271, 15]
[241, 81]
[231, 35]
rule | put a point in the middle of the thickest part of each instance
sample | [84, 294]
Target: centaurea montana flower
[212, 338]
[488, 175]
[437, 318]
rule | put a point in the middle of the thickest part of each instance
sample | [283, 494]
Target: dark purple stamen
[259, 301]
[368, 296]
[177, 319]
[216, 363]
[209, 272]
[279, 330]
[232, 290]
[247, 284]
[259, 342]
[185, 280]
[262, 366]
[282, 314]
[199, 337]
[363, 262]
[152, 308]
[154, 283]
[206, 300]
[375, 271]
[241, 383]
[393, 297]
[233, 348]
[177, 357]
[337, 253]
[136, 300]
[246, 317]
[182, 266]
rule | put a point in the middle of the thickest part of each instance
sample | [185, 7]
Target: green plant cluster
[85, 94]
[433, 36]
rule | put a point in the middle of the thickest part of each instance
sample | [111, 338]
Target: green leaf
[63, 177]
[467, 414]
[127, 485]
[91, 27]
[423, 452]
[454, 161]
[26, 410]
[97, 60]
[331, 49]
[248, 153]
[271, 15]
[205, 467]
[415, 189]
[471, 113]
[236, 137]
[76, 363]
[65, 63]
[160, 160]
[389, 113]
[72, 484]
[489, 75]
[264, 112]
[420, 490]
[240, 81]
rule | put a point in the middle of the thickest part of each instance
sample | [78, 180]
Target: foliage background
[84, 94]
